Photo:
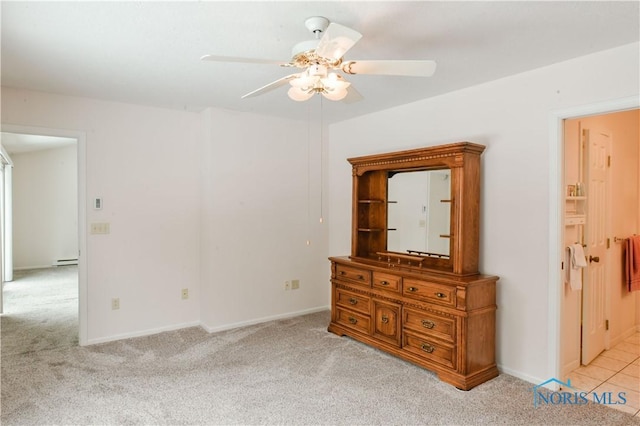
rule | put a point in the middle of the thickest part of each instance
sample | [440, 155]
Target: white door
[597, 150]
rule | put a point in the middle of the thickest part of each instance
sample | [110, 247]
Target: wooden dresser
[430, 308]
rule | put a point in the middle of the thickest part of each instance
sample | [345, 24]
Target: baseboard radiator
[65, 262]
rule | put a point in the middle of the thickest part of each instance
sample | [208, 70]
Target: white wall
[144, 163]
[261, 203]
[221, 203]
[511, 117]
[45, 207]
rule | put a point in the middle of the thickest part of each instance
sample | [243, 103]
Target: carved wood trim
[451, 154]
[399, 300]
[435, 311]
[458, 159]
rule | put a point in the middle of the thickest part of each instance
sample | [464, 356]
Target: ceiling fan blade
[336, 40]
[353, 96]
[271, 86]
[216, 58]
[411, 68]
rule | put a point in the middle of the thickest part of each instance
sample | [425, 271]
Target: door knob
[594, 258]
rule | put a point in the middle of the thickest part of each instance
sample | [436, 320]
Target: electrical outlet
[115, 303]
[295, 284]
[287, 285]
[185, 293]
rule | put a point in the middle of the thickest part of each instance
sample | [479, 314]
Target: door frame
[556, 217]
[82, 213]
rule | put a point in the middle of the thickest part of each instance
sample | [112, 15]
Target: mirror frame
[369, 205]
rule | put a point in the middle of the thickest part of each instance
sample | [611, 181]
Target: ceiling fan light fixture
[304, 81]
[316, 80]
[317, 70]
[335, 95]
[299, 94]
[334, 82]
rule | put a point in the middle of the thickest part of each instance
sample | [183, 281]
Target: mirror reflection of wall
[417, 213]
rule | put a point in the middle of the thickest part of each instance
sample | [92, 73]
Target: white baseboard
[209, 329]
[215, 329]
[142, 333]
[53, 265]
[25, 268]
[568, 368]
[526, 377]
[630, 332]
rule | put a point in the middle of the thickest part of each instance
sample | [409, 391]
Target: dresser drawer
[384, 281]
[353, 320]
[430, 292]
[430, 324]
[353, 301]
[430, 349]
[354, 275]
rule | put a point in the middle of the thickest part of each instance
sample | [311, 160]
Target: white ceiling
[148, 52]
[16, 143]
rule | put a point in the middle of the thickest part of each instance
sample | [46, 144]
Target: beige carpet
[283, 372]
[41, 310]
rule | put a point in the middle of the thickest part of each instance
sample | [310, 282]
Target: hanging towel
[632, 264]
[575, 262]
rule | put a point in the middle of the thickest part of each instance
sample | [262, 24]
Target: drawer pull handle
[428, 324]
[427, 348]
[352, 320]
[441, 295]
[385, 319]
[361, 277]
[384, 282]
[353, 301]
[412, 289]
[343, 273]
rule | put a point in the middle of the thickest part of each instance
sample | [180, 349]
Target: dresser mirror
[418, 209]
[419, 212]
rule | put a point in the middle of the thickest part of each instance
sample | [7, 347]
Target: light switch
[100, 228]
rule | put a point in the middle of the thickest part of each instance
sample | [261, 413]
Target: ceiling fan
[319, 60]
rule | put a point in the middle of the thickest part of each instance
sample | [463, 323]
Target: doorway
[66, 251]
[601, 154]
[598, 322]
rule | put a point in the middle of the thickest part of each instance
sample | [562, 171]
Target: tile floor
[615, 370]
